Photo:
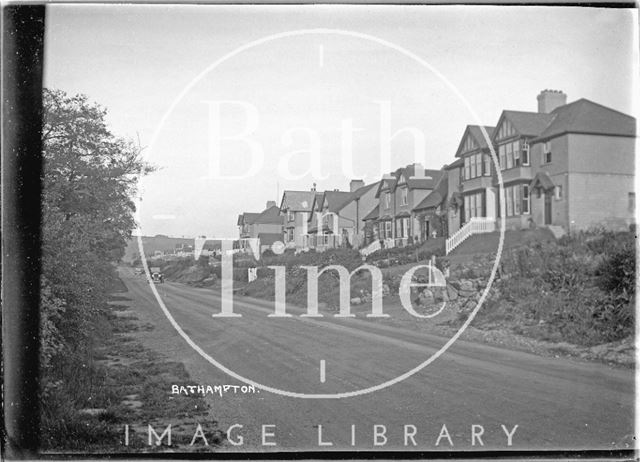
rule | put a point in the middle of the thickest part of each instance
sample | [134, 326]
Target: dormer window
[387, 199]
[404, 196]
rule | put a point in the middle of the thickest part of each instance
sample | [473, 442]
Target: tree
[89, 182]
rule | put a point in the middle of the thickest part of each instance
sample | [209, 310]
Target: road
[555, 403]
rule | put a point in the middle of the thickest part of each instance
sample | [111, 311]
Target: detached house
[584, 164]
[569, 166]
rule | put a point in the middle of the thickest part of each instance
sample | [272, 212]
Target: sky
[235, 104]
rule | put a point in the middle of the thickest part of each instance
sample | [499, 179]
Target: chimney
[355, 184]
[418, 171]
[313, 188]
[271, 204]
[548, 100]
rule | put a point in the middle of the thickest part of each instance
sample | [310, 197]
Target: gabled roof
[437, 196]
[543, 181]
[269, 216]
[358, 193]
[389, 179]
[373, 215]
[475, 132]
[525, 123]
[247, 218]
[426, 181]
[335, 200]
[584, 116]
[298, 201]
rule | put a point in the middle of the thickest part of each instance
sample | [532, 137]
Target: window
[546, 153]
[558, 191]
[467, 168]
[405, 196]
[525, 153]
[387, 200]
[487, 165]
[508, 191]
[501, 156]
[516, 154]
[473, 205]
[525, 199]
[290, 215]
[387, 229]
[517, 200]
[509, 149]
[632, 202]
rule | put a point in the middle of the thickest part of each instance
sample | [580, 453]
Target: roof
[428, 181]
[457, 163]
[437, 196]
[357, 194]
[584, 116]
[526, 123]
[247, 217]
[298, 201]
[390, 179]
[542, 180]
[268, 216]
[336, 200]
[475, 131]
[269, 238]
[373, 215]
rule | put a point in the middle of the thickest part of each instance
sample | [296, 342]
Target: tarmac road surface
[556, 403]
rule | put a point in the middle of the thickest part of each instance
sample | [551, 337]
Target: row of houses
[566, 166]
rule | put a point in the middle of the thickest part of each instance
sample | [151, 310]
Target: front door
[547, 208]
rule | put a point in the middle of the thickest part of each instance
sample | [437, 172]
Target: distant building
[267, 226]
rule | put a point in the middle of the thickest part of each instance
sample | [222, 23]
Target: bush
[580, 289]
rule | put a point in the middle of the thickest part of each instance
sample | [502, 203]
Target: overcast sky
[152, 68]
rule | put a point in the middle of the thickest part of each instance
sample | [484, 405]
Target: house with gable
[297, 207]
[342, 214]
[397, 194]
[267, 226]
[476, 181]
[413, 184]
[568, 166]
